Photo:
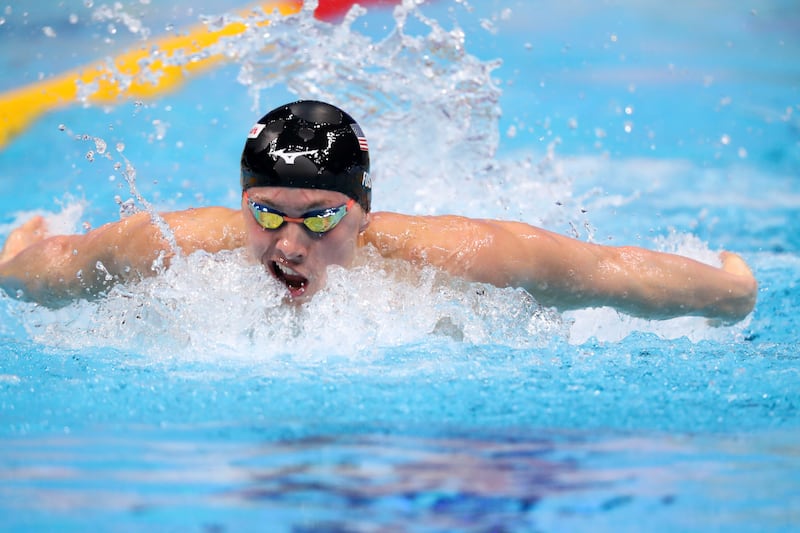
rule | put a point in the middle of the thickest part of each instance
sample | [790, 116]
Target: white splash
[221, 306]
[431, 111]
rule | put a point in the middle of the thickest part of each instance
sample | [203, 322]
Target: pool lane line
[136, 74]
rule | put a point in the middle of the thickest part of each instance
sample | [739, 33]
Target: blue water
[406, 401]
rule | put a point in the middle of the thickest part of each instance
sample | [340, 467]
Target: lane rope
[142, 73]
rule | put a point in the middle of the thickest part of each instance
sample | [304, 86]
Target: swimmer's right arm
[54, 270]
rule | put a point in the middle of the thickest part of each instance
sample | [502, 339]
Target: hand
[734, 264]
[31, 232]
[746, 282]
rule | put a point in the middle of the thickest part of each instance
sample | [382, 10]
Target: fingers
[745, 287]
[734, 264]
[31, 232]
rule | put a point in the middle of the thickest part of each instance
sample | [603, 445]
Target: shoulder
[385, 226]
[208, 228]
[425, 238]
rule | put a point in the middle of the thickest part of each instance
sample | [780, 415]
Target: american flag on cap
[362, 141]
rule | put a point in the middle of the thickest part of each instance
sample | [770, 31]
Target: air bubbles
[160, 129]
[100, 145]
[126, 207]
[99, 266]
[489, 26]
[48, 31]
[216, 23]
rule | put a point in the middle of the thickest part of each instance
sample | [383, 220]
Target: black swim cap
[309, 145]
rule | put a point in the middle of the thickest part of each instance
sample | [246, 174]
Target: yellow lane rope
[143, 72]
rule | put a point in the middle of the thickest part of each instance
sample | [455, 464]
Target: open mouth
[295, 282]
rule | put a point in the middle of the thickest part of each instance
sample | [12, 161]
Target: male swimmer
[306, 194]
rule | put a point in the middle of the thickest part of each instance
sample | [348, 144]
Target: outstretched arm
[566, 273]
[56, 269]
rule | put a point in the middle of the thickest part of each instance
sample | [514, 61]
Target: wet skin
[294, 255]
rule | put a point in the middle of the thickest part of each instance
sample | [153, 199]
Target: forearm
[57, 269]
[659, 285]
[52, 272]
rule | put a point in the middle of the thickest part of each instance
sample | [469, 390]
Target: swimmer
[306, 205]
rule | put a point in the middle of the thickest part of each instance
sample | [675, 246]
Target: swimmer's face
[294, 255]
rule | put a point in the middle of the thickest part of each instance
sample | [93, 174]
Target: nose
[292, 242]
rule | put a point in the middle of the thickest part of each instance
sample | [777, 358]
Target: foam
[434, 142]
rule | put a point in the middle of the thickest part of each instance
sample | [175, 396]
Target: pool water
[400, 400]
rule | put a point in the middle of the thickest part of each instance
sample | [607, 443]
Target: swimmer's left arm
[566, 273]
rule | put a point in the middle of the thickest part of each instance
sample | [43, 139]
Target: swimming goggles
[318, 221]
